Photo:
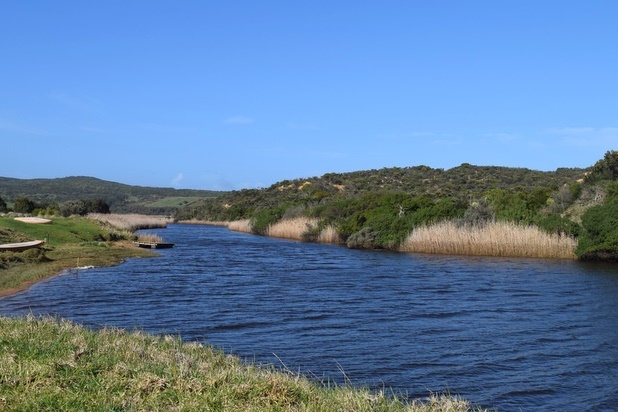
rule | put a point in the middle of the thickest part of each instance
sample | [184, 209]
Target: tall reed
[293, 228]
[329, 235]
[149, 238]
[303, 228]
[494, 239]
[132, 222]
[243, 225]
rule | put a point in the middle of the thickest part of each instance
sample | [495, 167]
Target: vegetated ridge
[121, 198]
[380, 208]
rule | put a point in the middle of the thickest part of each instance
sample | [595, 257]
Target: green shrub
[599, 238]
[264, 218]
[554, 223]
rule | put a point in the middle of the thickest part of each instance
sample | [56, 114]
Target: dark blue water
[511, 334]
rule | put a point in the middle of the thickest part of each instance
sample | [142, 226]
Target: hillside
[465, 182]
[120, 197]
[570, 212]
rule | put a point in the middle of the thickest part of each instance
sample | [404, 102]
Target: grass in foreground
[500, 239]
[48, 364]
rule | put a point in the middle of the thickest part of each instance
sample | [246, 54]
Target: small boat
[154, 245]
[21, 246]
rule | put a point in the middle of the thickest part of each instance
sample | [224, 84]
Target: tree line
[81, 207]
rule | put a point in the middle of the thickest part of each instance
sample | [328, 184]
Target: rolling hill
[120, 197]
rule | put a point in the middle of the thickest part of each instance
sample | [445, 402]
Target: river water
[510, 334]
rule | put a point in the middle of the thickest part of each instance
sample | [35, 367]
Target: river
[510, 334]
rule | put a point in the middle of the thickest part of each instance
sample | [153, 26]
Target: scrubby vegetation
[380, 209]
[53, 365]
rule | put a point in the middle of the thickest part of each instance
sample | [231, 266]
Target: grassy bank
[70, 243]
[49, 365]
[500, 239]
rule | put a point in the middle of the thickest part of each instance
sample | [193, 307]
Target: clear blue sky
[240, 94]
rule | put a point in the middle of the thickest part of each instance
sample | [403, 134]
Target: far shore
[508, 243]
[495, 239]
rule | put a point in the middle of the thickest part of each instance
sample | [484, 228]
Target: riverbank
[497, 239]
[51, 364]
[70, 243]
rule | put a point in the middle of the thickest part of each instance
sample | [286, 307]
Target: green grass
[49, 365]
[71, 242]
[60, 231]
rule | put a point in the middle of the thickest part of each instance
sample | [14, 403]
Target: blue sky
[240, 94]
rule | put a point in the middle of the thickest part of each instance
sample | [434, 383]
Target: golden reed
[132, 221]
[240, 225]
[494, 239]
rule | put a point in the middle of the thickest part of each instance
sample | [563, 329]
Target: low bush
[599, 237]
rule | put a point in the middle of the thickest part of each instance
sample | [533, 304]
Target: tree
[97, 206]
[24, 205]
[78, 207]
[599, 240]
[606, 168]
[3, 207]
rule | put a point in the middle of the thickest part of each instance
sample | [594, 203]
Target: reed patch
[502, 239]
[132, 222]
[240, 226]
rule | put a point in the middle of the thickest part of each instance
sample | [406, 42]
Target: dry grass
[293, 228]
[240, 225]
[495, 239]
[297, 228]
[132, 222]
[329, 235]
[149, 238]
[204, 222]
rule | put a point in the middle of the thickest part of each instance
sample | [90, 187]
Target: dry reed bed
[132, 222]
[329, 235]
[149, 238]
[240, 226]
[296, 229]
[204, 222]
[291, 228]
[500, 239]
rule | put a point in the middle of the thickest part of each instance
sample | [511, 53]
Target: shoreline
[506, 242]
[53, 268]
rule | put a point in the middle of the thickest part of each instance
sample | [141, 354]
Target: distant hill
[119, 196]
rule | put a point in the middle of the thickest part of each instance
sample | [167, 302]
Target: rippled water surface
[511, 334]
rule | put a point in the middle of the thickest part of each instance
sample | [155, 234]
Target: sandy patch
[35, 220]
